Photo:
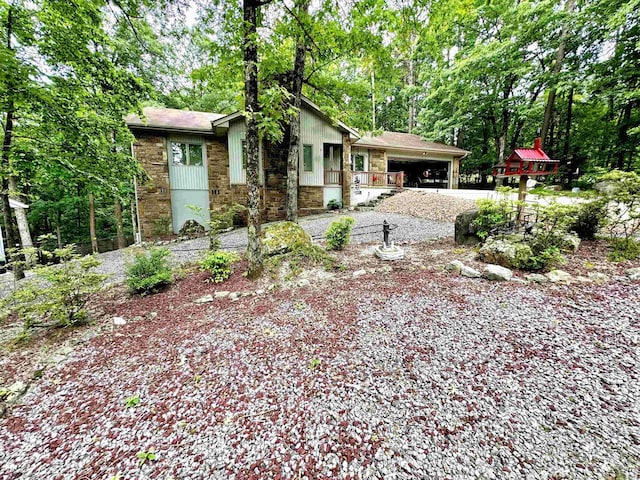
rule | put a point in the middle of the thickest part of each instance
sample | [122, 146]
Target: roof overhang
[461, 153]
[163, 129]
[221, 125]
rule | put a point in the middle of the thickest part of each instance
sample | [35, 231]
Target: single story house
[196, 159]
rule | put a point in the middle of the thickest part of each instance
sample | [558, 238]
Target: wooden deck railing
[378, 179]
[332, 177]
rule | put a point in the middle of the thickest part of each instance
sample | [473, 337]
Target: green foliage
[143, 456]
[623, 197]
[624, 249]
[218, 264]
[149, 272]
[300, 257]
[493, 214]
[314, 363]
[589, 219]
[132, 401]
[58, 294]
[334, 204]
[220, 220]
[161, 227]
[338, 235]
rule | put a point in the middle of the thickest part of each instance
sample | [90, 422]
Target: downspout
[136, 228]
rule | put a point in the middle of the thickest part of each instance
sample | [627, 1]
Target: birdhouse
[527, 161]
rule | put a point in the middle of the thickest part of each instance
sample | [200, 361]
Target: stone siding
[310, 197]
[377, 160]
[154, 194]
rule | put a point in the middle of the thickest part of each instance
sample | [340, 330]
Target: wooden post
[522, 195]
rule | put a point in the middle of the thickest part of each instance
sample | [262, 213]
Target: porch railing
[332, 177]
[378, 179]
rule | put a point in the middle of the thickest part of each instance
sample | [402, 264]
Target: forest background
[484, 75]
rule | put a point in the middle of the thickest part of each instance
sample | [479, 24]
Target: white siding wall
[185, 177]
[237, 174]
[235, 136]
[315, 131]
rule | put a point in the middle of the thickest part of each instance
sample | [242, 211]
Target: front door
[188, 181]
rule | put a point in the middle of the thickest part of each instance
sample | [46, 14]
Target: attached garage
[425, 164]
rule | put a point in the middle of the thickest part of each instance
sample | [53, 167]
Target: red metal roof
[535, 154]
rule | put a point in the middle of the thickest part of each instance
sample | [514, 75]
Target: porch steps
[371, 204]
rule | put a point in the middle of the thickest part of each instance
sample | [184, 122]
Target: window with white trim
[187, 154]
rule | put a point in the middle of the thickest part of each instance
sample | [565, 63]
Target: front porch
[334, 178]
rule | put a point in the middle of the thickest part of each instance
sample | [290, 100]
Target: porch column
[454, 173]
[346, 170]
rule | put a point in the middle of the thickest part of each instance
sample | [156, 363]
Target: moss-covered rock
[282, 237]
[505, 252]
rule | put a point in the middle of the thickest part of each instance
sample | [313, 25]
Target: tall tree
[297, 79]
[252, 108]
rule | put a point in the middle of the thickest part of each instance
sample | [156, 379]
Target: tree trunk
[412, 98]
[293, 158]
[58, 232]
[373, 97]
[11, 233]
[92, 224]
[557, 67]
[623, 135]
[567, 135]
[119, 227]
[250, 49]
[21, 222]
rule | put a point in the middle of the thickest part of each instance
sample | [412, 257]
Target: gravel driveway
[413, 375]
[368, 228]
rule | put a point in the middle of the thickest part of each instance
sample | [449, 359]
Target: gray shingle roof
[173, 119]
[406, 141]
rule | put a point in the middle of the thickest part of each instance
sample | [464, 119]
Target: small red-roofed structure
[527, 161]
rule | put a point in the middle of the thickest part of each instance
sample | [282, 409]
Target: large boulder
[282, 237]
[506, 252]
[497, 273]
[465, 232]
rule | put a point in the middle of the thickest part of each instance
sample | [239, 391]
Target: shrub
[624, 249]
[338, 234]
[218, 264]
[492, 213]
[220, 220]
[161, 227]
[301, 256]
[57, 294]
[334, 204]
[589, 218]
[149, 272]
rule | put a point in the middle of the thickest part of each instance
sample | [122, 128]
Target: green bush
[57, 294]
[492, 213]
[149, 272]
[218, 264]
[624, 249]
[589, 218]
[334, 204]
[338, 235]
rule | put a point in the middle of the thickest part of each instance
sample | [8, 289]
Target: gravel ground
[444, 377]
[368, 228]
[423, 204]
